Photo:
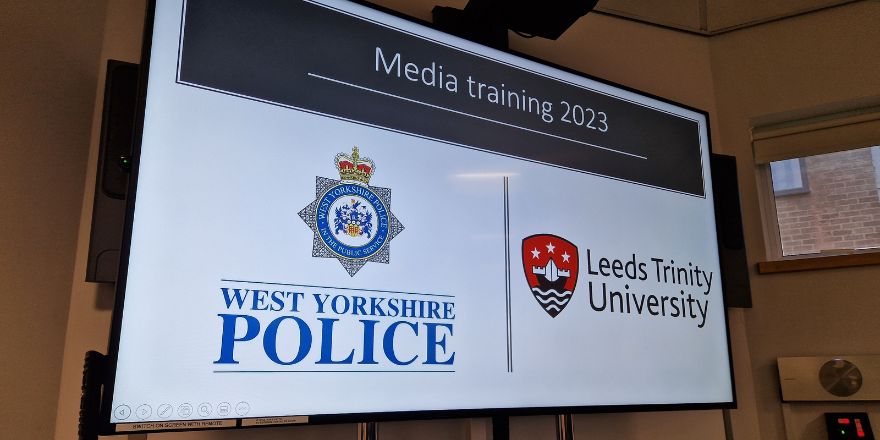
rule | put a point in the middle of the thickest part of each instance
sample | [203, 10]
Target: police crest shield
[550, 263]
[351, 220]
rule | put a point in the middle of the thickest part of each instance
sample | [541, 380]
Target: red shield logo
[551, 266]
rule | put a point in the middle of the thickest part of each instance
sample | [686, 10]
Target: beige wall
[817, 59]
[48, 74]
[88, 317]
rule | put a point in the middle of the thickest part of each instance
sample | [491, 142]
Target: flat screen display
[339, 213]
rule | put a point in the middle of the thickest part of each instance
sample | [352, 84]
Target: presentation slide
[340, 211]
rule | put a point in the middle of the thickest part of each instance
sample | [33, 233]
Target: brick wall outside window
[841, 210]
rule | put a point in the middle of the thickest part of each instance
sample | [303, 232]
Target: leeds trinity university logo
[352, 220]
[551, 267]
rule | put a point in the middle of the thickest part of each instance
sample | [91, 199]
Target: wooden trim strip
[819, 263]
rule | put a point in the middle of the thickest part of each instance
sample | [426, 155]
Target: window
[820, 177]
[839, 213]
[789, 177]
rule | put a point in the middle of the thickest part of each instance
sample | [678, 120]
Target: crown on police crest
[355, 168]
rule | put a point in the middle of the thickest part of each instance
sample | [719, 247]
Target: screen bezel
[108, 428]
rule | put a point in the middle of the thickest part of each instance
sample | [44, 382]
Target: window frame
[798, 139]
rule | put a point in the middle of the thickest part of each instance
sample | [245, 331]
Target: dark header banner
[318, 59]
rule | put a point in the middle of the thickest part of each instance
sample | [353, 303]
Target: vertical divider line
[507, 274]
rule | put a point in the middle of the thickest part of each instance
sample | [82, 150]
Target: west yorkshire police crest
[352, 220]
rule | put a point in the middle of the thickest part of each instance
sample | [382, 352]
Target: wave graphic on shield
[550, 264]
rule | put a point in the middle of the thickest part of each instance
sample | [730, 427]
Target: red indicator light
[843, 421]
[859, 431]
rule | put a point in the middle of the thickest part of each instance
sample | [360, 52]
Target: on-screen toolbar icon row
[184, 410]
